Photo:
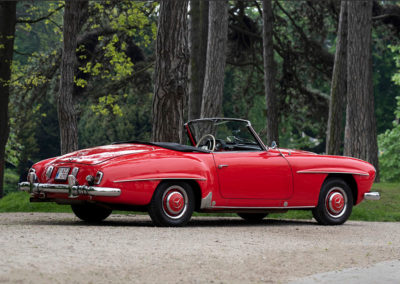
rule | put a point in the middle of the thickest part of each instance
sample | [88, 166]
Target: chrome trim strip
[329, 172]
[206, 202]
[372, 196]
[281, 207]
[147, 179]
[71, 190]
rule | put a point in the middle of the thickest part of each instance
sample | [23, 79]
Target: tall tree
[216, 56]
[335, 136]
[198, 55]
[7, 32]
[171, 70]
[270, 74]
[360, 131]
[74, 12]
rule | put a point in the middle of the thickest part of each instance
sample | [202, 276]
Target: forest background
[136, 70]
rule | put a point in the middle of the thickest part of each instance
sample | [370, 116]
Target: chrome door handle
[222, 166]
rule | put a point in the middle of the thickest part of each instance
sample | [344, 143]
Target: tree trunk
[171, 71]
[198, 55]
[67, 117]
[360, 131]
[7, 32]
[269, 74]
[337, 103]
[216, 54]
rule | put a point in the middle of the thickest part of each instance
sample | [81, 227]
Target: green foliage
[389, 141]
[112, 71]
[107, 104]
[13, 148]
[244, 98]
[11, 178]
[389, 150]
[103, 125]
[129, 20]
[385, 89]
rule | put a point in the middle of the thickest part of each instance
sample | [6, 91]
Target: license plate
[62, 174]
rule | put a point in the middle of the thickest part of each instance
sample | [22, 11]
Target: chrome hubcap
[336, 202]
[175, 202]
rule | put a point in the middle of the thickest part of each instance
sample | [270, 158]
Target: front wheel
[335, 203]
[172, 204]
[91, 213]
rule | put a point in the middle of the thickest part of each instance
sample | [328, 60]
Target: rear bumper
[372, 196]
[72, 191]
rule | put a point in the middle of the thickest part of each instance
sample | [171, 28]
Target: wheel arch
[351, 182]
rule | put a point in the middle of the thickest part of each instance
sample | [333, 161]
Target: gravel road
[58, 248]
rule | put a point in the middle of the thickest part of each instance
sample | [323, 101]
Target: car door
[253, 175]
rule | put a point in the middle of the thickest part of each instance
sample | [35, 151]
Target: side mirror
[274, 145]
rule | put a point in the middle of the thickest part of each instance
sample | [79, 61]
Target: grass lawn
[19, 202]
[387, 209]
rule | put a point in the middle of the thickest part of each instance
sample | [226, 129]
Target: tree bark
[335, 132]
[198, 54]
[67, 117]
[171, 72]
[216, 56]
[270, 74]
[7, 32]
[360, 131]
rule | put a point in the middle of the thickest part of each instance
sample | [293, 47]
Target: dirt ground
[58, 248]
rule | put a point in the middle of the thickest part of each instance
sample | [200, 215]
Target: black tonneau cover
[169, 145]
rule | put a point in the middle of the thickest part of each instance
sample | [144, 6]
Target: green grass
[385, 210]
[19, 202]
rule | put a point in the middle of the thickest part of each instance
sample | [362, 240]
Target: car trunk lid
[101, 154]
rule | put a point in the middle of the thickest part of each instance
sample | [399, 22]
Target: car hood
[97, 155]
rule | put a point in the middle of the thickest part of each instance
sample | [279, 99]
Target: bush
[11, 179]
[389, 150]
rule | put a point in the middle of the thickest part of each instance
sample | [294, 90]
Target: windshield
[229, 135]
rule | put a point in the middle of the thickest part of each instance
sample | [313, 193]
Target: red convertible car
[227, 169]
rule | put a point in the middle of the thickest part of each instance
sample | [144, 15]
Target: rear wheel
[335, 203]
[253, 217]
[172, 204]
[91, 213]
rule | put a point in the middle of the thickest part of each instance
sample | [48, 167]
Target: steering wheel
[210, 147]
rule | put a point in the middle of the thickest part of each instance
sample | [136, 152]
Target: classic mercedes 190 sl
[227, 169]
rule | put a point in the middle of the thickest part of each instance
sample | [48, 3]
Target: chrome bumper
[72, 191]
[372, 196]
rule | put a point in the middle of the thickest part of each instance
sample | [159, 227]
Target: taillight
[49, 171]
[99, 176]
